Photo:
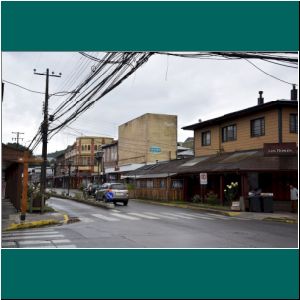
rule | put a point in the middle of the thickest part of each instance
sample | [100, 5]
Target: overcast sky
[192, 89]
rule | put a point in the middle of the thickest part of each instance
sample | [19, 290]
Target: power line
[254, 65]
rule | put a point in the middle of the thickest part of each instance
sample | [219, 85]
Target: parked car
[91, 189]
[117, 191]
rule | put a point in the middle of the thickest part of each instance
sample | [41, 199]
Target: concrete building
[147, 139]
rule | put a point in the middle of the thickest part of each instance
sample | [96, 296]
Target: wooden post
[25, 186]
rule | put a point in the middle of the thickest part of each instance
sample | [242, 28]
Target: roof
[243, 112]
[253, 160]
[114, 143]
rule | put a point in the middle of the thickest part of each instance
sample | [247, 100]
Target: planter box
[235, 205]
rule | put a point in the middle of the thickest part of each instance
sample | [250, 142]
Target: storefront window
[177, 184]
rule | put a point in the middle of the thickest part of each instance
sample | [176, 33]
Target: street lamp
[69, 179]
[99, 157]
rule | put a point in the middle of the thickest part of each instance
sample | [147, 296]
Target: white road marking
[179, 216]
[48, 246]
[21, 243]
[86, 220]
[218, 216]
[9, 238]
[124, 216]
[115, 210]
[29, 233]
[143, 216]
[161, 216]
[8, 244]
[105, 218]
[196, 216]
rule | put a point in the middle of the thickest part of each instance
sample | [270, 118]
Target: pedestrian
[294, 198]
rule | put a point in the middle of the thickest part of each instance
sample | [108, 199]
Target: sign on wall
[203, 178]
[280, 149]
[155, 149]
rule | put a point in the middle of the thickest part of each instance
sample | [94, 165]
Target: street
[143, 225]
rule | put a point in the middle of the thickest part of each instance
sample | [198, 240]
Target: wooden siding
[244, 140]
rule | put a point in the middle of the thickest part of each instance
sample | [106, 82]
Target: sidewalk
[11, 218]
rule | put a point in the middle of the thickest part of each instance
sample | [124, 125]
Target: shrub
[196, 199]
[212, 198]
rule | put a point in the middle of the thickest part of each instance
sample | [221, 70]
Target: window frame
[262, 127]
[234, 133]
[295, 124]
[204, 134]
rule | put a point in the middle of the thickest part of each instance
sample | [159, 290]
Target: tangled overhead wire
[115, 67]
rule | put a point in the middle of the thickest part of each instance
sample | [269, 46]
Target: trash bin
[255, 203]
[267, 202]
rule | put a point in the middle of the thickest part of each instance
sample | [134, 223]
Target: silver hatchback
[118, 191]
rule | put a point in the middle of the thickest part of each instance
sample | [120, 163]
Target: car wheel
[125, 203]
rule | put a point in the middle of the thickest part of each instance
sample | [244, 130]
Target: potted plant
[231, 194]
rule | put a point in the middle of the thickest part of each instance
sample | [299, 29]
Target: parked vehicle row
[108, 192]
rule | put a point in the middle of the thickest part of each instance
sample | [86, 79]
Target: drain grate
[73, 220]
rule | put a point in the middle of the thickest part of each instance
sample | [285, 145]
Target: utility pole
[45, 134]
[18, 137]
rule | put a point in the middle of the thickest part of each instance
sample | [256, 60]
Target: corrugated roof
[253, 160]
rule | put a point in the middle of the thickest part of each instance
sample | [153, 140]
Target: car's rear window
[119, 186]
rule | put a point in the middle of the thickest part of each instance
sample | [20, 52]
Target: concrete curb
[282, 220]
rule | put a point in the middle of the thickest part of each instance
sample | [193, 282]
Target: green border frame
[132, 26]
[145, 26]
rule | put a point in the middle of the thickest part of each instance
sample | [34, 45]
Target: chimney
[260, 99]
[294, 92]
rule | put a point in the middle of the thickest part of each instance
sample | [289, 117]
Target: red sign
[280, 149]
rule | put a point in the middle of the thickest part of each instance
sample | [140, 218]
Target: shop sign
[280, 149]
[203, 178]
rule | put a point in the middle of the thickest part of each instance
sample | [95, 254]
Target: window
[293, 123]
[95, 147]
[162, 183]
[149, 184]
[89, 147]
[229, 133]
[177, 184]
[205, 137]
[258, 127]
[82, 147]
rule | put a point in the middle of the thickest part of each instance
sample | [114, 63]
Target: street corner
[281, 219]
[33, 224]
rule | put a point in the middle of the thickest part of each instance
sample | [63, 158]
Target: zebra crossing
[35, 238]
[116, 215]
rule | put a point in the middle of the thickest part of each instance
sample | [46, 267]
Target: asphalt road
[142, 225]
